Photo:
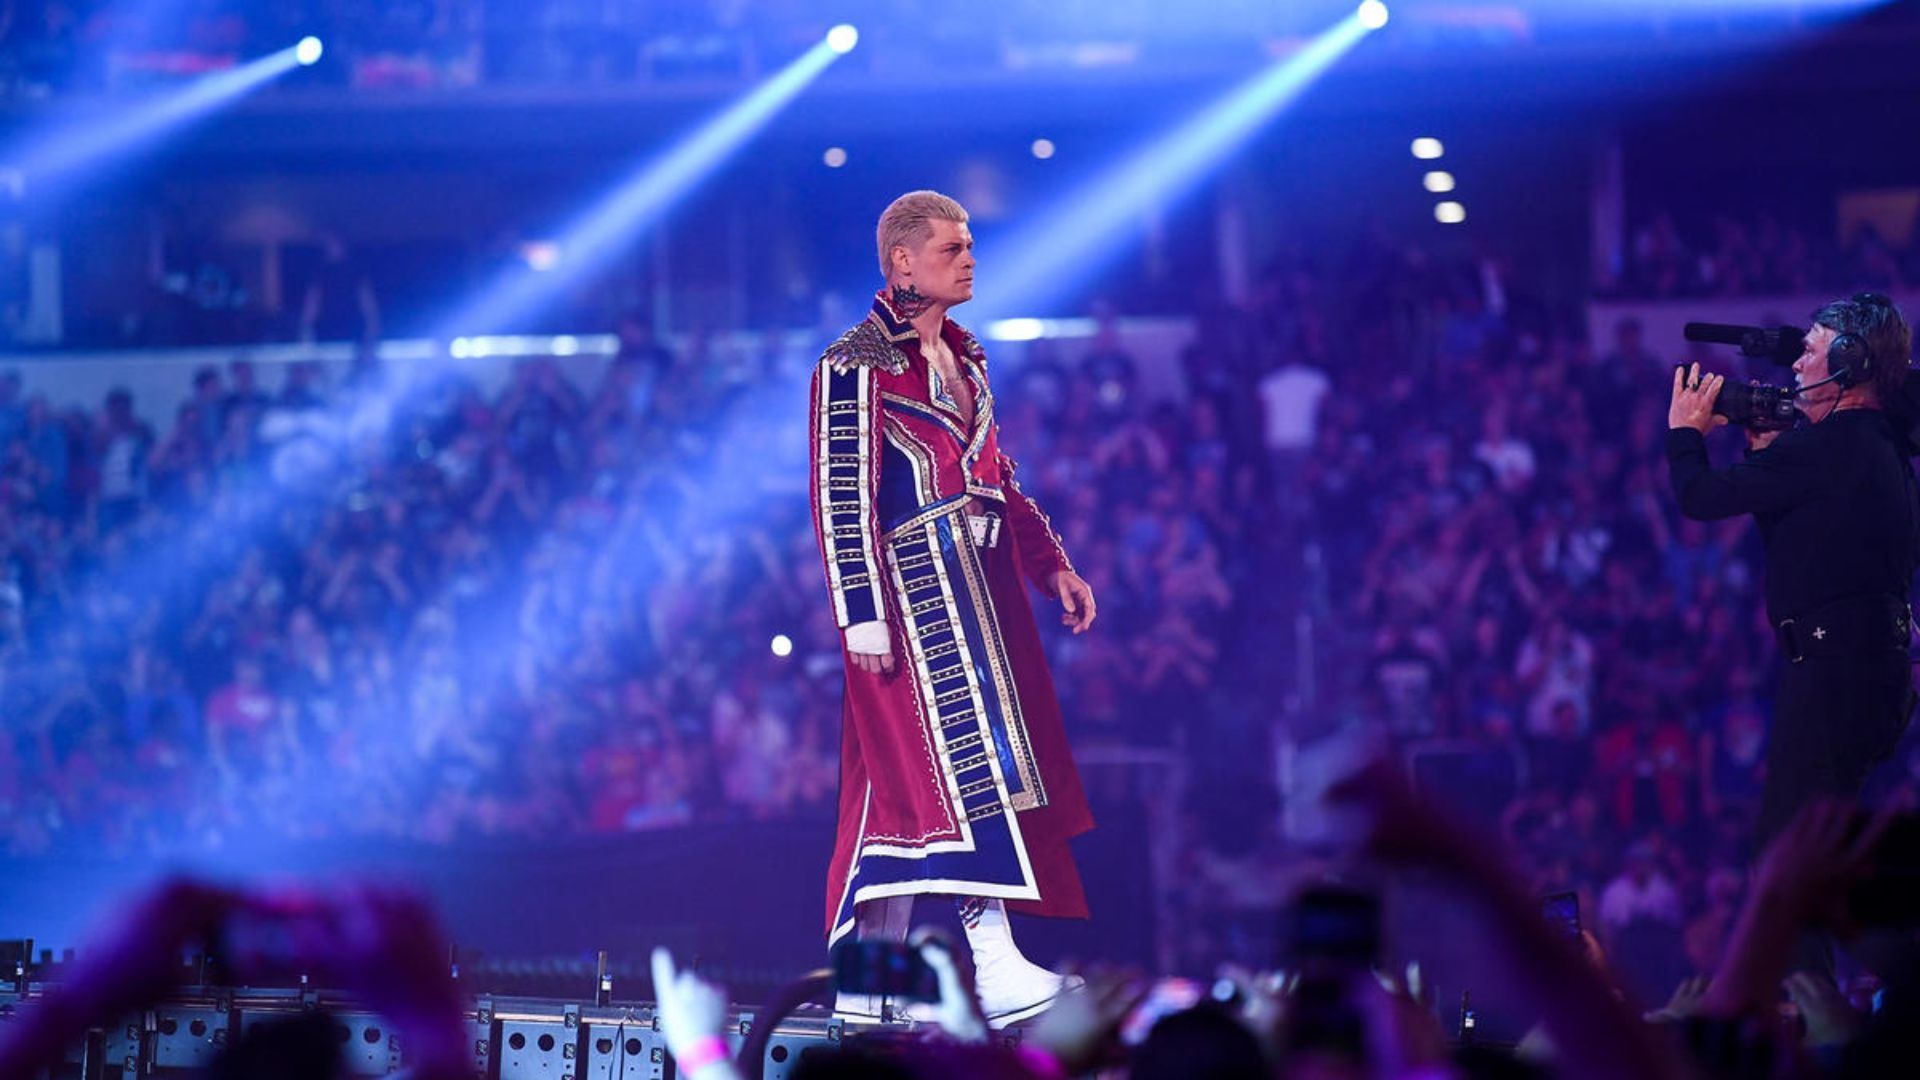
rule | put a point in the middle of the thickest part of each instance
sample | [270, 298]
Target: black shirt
[1835, 502]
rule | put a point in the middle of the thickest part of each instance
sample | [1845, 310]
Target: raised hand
[1082, 1029]
[958, 1010]
[692, 1010]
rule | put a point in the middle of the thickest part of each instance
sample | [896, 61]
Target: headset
[1849, 357]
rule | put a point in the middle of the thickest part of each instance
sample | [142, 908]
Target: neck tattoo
[909, 301]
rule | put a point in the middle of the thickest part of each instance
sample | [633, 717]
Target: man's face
[943, 266]
[1812, 367]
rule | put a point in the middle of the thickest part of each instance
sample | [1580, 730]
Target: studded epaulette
[971, 345]
[865, 345]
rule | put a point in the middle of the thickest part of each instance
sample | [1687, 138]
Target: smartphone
[1335, 928]
[890, 969]
[1322, 1017]
[1562, 911]
[252, 947]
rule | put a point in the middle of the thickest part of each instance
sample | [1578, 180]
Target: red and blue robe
[955, 775]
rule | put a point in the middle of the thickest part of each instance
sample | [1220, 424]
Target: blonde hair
[908, 223]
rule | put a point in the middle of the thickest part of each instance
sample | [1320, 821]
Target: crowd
[1760, 255]
[1337, 1009]
[1390, 498]
[329, 609]
[1470, 509]
[430, 614]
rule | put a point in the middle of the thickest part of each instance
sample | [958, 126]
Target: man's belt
[1860, 624]
[986, 529]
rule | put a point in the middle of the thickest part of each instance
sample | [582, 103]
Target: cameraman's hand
[1693, 398]
[1760, 440]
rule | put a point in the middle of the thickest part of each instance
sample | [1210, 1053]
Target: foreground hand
[1402, 1036]
[1809, 865]
[132, 962]
[1399, 827]
[1684, 1003]
[1082, 1029]
[395, 941]
[138, 957]
[1076, 596]
[691, 1008]
[381, 945]
[1693, 398]
[384, 946]
[958, 1010]
[1263, 1004]
[1830, 1020]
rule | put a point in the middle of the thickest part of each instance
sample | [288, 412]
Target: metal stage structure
[512, 1038]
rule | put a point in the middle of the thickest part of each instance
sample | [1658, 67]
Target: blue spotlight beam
[1034, 268]
[607, 227]
[595, 235]
[77, 144]
[592, 239]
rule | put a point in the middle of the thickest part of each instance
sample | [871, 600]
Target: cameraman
[1835, 501]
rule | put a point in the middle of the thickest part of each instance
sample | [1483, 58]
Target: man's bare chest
[950, 385]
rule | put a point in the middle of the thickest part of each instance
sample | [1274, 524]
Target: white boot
[875, 920]
[1010, 986]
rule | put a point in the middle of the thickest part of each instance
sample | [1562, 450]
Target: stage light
[540, 255]
[1071, 240]
[1372, 14]
[1043, 148]
[1427, 148]
[834, 157]
[1438, 181]
[84, 136]
[1016, 330]
[1030, 329]
[606, 228]
[843, 38]
[1449, 213]
[782, 645]
[308, 51]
